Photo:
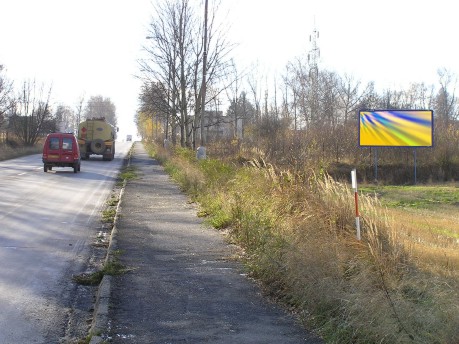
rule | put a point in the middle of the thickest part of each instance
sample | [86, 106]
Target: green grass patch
[174, 171]
[112, 267]
[108, 215]
[185, 153]
[217, 172]
[216, 211]
[417, 197]
[113, 201]
[92, 279]
[128, 173]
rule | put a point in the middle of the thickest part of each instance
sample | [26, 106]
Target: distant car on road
[128, 137]
[61, 150]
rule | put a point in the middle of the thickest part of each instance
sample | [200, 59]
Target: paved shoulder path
[184, 286]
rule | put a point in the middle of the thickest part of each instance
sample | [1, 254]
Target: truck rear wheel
[98, 146]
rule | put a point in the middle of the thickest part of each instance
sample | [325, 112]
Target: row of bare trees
[187, 56]
[28, 114]
[25, 114]
[5, 90]
[309, 115]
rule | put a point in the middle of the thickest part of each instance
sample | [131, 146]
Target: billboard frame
[394, 114]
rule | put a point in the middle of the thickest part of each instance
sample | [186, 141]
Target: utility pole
[313, 58]
[204, 71]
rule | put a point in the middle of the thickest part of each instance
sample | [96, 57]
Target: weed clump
[112, 267]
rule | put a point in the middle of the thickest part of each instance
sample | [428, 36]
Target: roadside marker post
[356, 199]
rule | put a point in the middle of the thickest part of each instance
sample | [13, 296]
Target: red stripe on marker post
[356, 199]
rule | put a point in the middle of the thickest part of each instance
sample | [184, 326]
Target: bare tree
[242, 113]
[232, 94]
[300, 82]
[253, 82]
[172, 34]
[31, 113]
[418, 96]
[178, 43]
[65, 118]
[350, 95]
[78, 113]
[100, 107]
[292, 87]
[6, 91]
[329, 100]
[445, 102]
[162, 66]
[154, 104]
[6, 95]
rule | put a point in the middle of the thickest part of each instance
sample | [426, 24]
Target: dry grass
[6, 152]
[431, 238]
[399, 284]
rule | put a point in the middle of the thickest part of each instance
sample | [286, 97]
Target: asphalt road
[47, 223]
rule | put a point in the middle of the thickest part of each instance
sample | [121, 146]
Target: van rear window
[54, 143]
[67, 143]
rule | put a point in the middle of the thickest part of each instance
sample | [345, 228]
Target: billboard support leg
[376, 165]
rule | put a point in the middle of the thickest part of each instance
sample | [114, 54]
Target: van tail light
[75, 156]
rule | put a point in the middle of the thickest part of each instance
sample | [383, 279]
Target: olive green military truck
[97, 137]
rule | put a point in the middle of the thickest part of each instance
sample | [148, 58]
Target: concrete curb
[100, 316]
[100, 319]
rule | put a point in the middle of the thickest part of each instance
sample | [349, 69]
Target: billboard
[396, 128]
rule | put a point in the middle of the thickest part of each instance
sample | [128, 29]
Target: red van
[61, 150]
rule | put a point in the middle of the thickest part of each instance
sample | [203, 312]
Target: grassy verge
[127, 173]
[425, 218]
[428, 197]
[399, 284]
[7, 152]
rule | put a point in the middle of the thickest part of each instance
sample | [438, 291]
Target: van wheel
[75, 168]
[45, 168]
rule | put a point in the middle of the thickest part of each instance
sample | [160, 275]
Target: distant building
[217, 126]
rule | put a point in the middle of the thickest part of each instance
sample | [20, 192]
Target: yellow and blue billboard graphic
[396, 128]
